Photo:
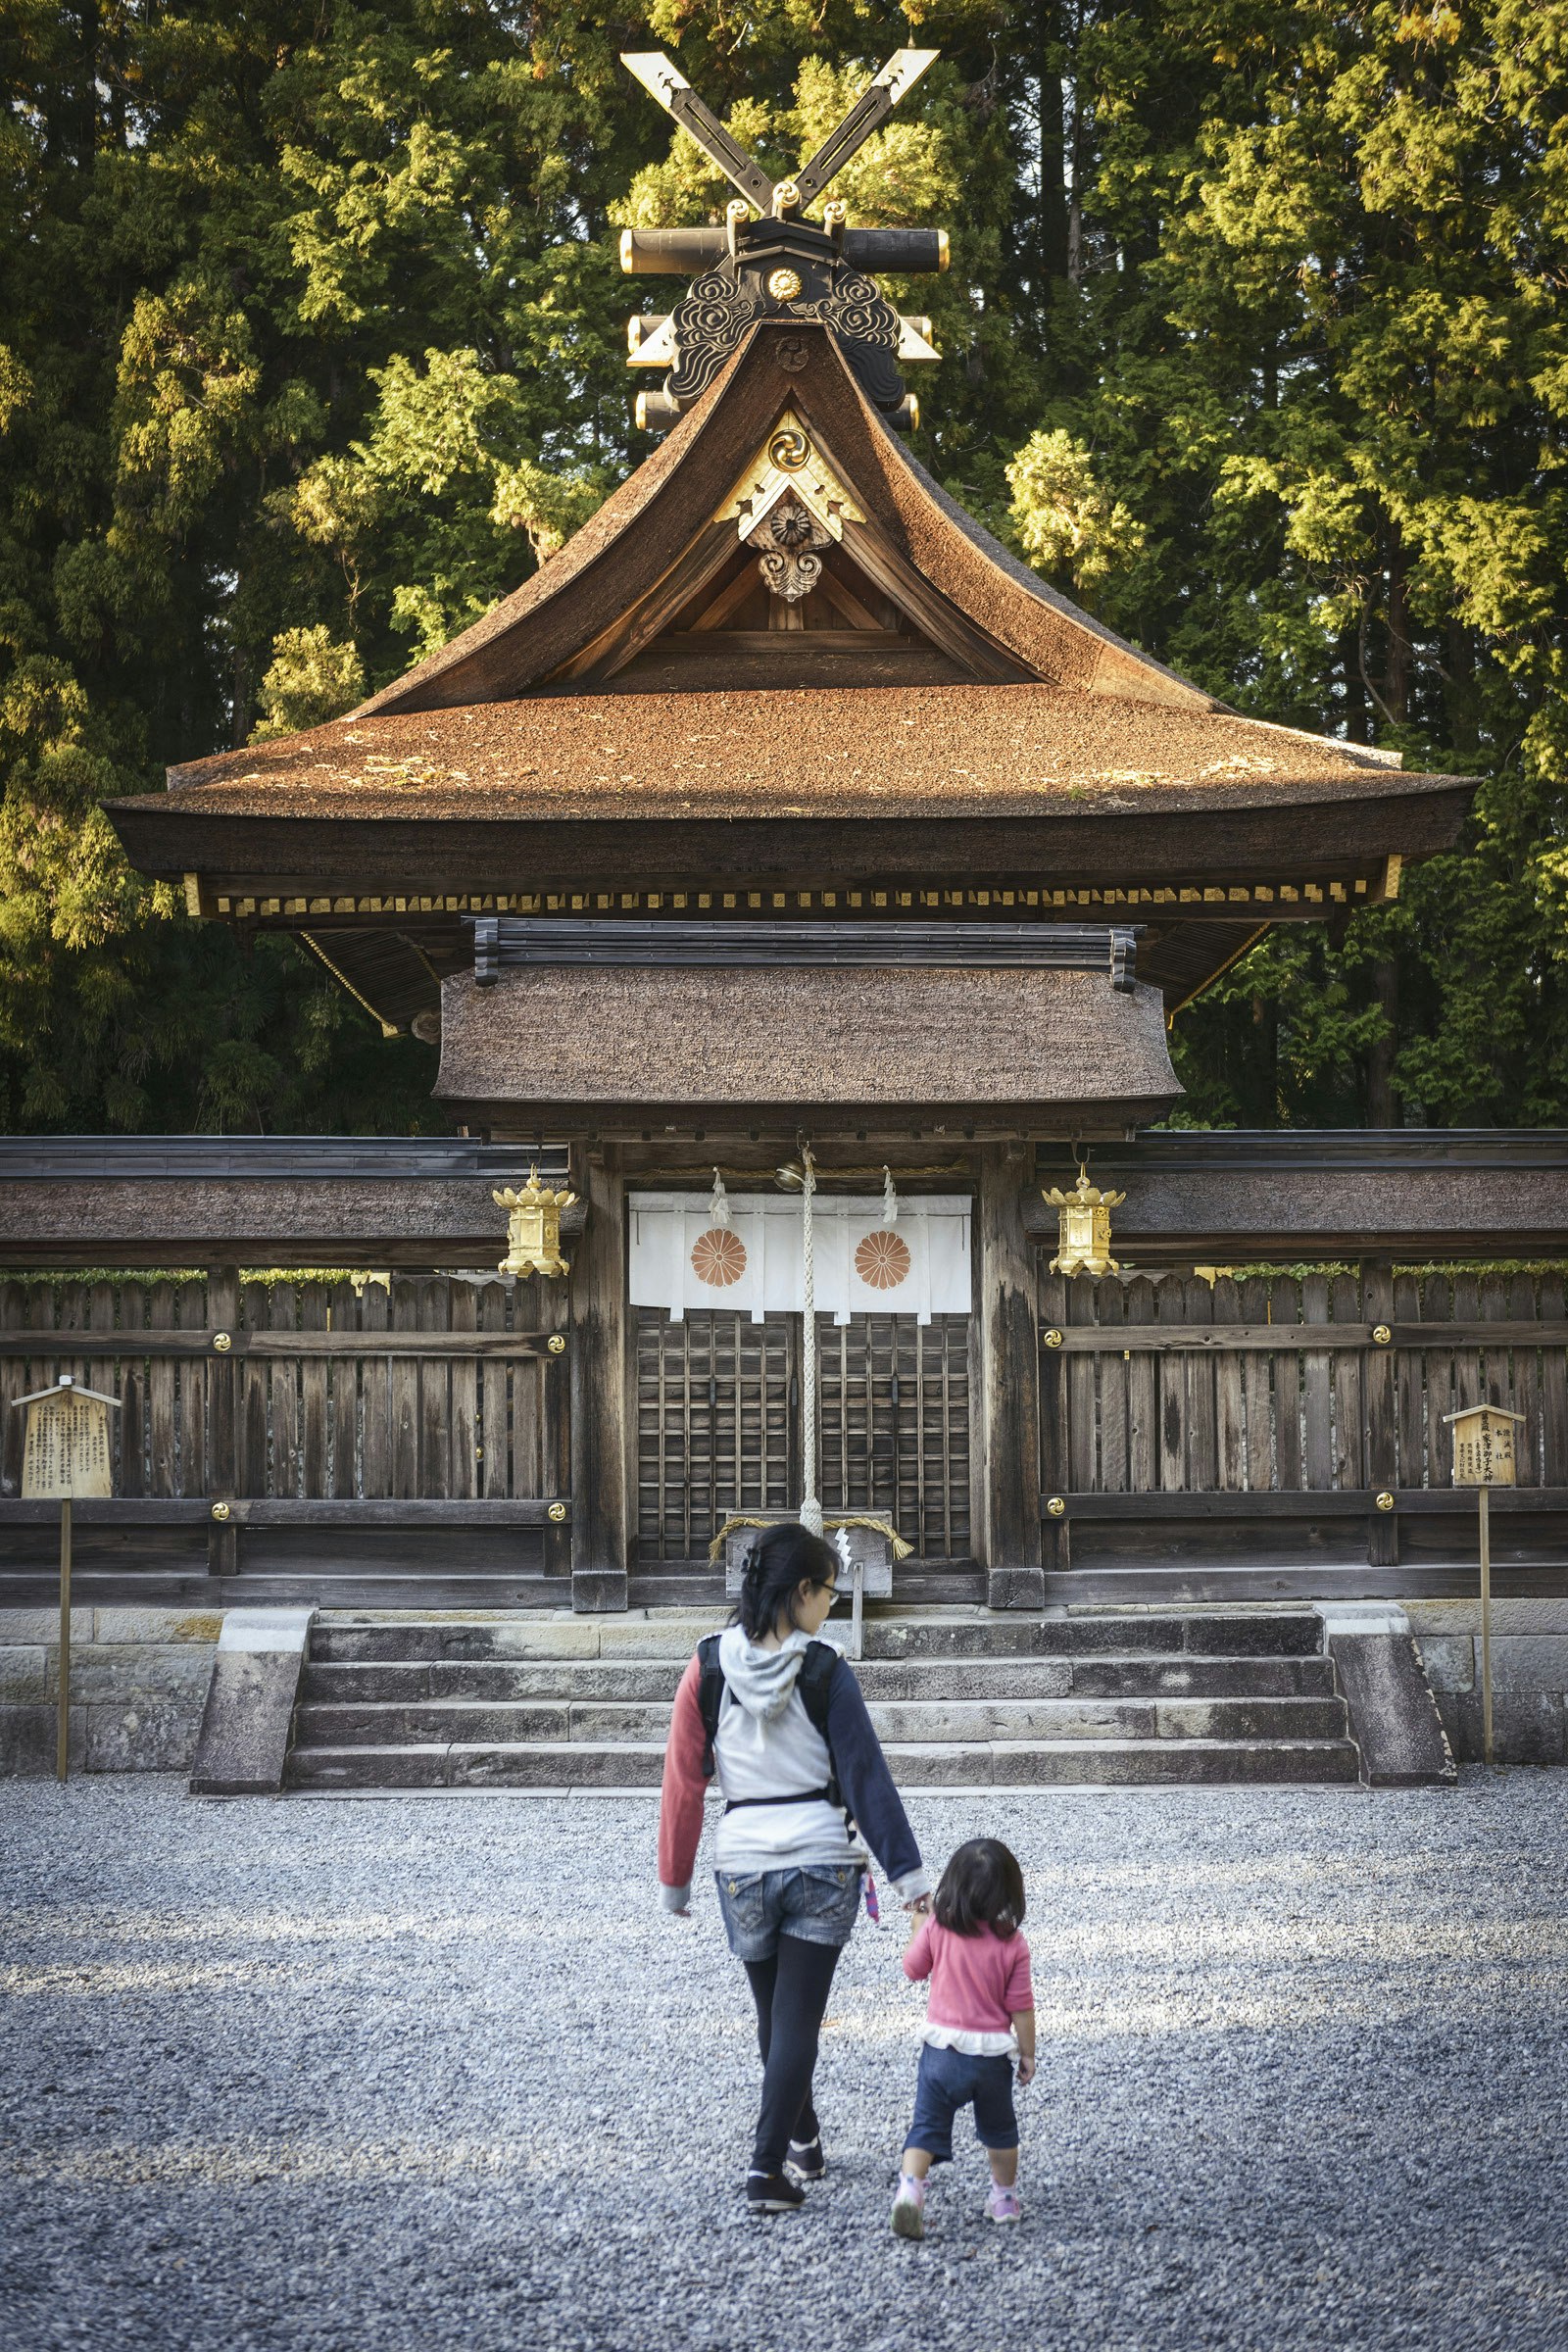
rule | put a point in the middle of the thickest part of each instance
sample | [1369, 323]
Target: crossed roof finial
[662, 80]
[779, 265]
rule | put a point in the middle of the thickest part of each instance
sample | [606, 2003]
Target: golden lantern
[533, 1228]
[1083, 1227]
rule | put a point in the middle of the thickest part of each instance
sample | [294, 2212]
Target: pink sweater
[979, 1983]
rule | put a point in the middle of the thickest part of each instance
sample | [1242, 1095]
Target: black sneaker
[805, 2160]
[773, 2192]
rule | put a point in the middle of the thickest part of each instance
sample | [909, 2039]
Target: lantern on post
[1484, 1458]
[533, 1227]
[1083, 1226]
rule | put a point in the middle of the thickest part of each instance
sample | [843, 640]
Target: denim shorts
[950, 2080]
[817, 1904]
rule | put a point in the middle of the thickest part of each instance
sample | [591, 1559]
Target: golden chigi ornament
[533, 1227]
[1083, 1227]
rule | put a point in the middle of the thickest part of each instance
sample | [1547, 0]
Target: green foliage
[314, 348]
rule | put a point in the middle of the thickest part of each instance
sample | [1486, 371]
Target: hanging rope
[810, 1506]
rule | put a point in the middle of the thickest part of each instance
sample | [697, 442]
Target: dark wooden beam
[601, 1438]
[1004, 1379]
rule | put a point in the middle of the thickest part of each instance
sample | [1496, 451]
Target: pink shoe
[909, 2207]
[1003, 2204]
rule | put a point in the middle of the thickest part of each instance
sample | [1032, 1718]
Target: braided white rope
[810, 1506]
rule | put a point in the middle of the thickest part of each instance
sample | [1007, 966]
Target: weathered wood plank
[403, 1382]
[253, 1381]
[1256, 1387]
[1203, 1442]
[1230, 1409]
[1317, 1380]
[1111, 1296]
[1381, 1451]
[283, 1407]
[1349, 1432]
[1083, 1414]
[222, 1420]
[343, 1375]
[1436, 1310]
[1054, 1429]
[497, 1386]
[1521, 1312]
[376, 1397]
[1143, 1393]
[314, 1317]
[464, 1458]
[194, 1381]
[15, 1303]
[1007, 1538]
[1409, 1389]
[163, 1439]
[435, 1392]
[1553, 1389]
[599, 1463]
[1170, 1305]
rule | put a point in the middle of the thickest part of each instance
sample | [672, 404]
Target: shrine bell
[1083, 1227]
[533, 1227]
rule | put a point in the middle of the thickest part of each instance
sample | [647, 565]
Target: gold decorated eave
[1302, 898]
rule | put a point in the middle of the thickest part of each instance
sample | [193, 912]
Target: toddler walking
[980, 2013]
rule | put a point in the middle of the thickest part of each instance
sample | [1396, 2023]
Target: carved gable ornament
[790, 505]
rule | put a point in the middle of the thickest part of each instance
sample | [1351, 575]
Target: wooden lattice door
[718, 1419]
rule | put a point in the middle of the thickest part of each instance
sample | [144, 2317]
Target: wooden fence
[1263, 1415]
[309, 1417]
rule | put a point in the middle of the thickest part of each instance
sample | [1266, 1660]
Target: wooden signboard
[66, 1455]
[1484, 1458]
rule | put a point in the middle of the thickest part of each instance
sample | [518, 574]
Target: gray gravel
[346, 2077]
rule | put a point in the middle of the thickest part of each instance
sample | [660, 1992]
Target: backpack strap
[709, 1696]
[821, 1664]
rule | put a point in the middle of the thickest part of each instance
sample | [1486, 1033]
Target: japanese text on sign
[67, 1453]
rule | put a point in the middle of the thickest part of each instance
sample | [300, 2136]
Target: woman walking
[779, 1716]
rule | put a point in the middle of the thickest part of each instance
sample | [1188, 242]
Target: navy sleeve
[867, 1786]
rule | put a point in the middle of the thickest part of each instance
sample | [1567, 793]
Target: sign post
[1484, 1458]
[65, 1453]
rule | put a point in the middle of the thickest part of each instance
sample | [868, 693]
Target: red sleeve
[1021, 1992]
[918, 1959]
[680, 1809]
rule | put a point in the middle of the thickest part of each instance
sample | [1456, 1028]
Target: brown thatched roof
[806, 751]
[650, 520]
[633, 1041]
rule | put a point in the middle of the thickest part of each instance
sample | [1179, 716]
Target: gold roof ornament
[533, 1228]
[1083, 1226]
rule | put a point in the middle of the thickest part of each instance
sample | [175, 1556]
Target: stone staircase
[961, 1697]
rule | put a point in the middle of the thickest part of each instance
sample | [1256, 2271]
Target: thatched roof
[631, 1041]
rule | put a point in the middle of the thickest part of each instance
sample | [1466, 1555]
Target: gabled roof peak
[912, 588]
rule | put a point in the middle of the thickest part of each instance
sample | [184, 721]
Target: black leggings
[791, 1993]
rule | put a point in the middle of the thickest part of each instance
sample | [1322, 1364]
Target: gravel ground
[353, 2077]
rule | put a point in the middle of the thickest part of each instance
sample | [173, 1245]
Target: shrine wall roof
[631, 1038]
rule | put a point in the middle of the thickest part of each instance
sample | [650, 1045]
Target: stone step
[969, 1721]
[500, 1680]
[965, 1635]
[946, 1764]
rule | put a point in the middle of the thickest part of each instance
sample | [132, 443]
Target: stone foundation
[138, 1684]
[1528, 1676]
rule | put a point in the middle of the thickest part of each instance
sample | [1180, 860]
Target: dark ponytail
[778, 1561]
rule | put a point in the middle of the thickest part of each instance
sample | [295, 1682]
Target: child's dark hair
[782, 1558]
[982, 1887]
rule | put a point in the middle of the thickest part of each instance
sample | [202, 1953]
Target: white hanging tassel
[719, 1203]
[889, 1197]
